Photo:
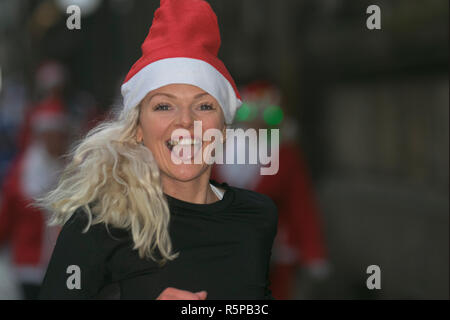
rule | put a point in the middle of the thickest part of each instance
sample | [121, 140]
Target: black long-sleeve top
[224, 248]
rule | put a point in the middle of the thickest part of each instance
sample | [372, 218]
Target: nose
[185, 118]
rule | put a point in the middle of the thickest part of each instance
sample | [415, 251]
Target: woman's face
[177, 106]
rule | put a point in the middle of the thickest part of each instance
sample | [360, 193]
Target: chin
[187, 172]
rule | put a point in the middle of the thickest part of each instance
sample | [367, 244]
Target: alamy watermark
[74, 280]
[374, 280]
[374, 20]
[74, 19]
[186, 149]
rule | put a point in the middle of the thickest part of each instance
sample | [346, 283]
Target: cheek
[153, 130]
[213, 121]
[151, 123]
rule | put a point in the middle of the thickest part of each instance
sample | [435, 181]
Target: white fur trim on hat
[181, 70]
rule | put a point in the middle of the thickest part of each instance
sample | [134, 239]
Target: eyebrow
[174, 97]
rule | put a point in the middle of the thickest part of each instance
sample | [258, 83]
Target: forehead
[182, 91]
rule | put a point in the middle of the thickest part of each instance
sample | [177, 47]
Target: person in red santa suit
[50, 80]
[33, 172]
[299, 240]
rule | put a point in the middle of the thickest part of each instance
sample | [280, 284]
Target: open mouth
[183, 142]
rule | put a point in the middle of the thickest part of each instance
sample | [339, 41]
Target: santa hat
[49, 115]
[182, 47]
[261, 91]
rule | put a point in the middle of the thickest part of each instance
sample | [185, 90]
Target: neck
[196, 191]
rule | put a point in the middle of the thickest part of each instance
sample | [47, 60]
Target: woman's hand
[177, 294]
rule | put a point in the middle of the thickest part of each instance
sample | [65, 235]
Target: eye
[161, 107]
[206, 106]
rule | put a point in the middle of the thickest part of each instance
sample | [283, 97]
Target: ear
[139, 133]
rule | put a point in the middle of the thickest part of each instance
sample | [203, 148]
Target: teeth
[184, 142]
[188, 141]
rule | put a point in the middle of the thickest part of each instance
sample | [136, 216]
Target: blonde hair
[117, 181]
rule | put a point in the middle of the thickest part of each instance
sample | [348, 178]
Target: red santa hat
[49, 115]
[182, 47]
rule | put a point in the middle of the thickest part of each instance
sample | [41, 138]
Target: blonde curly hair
[117, 182]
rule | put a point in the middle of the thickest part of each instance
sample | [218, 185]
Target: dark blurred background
[372, 108]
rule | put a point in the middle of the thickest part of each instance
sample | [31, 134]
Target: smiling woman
[173, 107]
[135, 219]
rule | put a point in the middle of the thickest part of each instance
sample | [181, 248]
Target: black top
[224, 248]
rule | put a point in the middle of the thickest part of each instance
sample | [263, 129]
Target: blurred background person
[43, 140]
[300, 240]
[49, 82]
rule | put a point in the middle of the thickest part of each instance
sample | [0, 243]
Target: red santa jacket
[20, 225]
[23, 226]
